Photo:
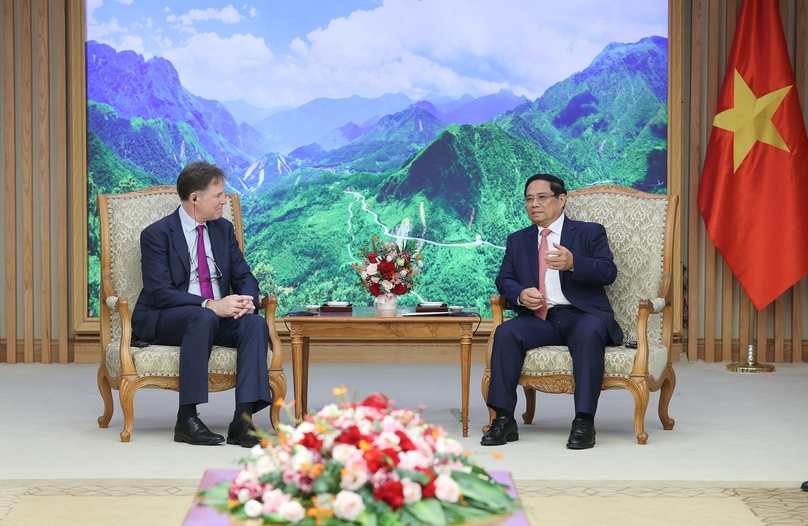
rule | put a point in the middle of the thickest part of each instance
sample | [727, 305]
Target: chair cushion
[164, 360]
[556, 359]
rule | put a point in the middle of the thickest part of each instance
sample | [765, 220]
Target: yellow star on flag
[751, 119]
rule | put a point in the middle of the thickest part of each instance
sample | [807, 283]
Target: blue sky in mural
[285, 53]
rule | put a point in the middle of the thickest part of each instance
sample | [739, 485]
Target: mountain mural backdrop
[317, 182]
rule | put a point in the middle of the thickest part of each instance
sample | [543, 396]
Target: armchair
[126, 368]
[640, 227]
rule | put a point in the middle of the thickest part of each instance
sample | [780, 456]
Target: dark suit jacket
[166, 270]
[584, 287]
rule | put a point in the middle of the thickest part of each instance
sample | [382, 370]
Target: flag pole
[751, 365]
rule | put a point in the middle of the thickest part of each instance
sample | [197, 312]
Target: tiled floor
[773, 505]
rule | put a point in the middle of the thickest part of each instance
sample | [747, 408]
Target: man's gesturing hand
[559, 259]
[232, 306]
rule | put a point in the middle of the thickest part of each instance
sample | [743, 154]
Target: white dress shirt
[189, 225]
[552, 283]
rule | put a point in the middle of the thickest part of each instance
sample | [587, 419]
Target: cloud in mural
[420, 48]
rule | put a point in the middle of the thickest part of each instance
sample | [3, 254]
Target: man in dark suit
[553, 273]
[191, 261]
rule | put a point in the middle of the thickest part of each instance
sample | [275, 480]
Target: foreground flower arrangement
[364, 463]
[389, 269]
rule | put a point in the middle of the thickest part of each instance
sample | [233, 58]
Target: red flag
[754, 186]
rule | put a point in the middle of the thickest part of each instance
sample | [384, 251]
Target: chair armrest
[110, 303]
[121, 306]
[659, 305]
[498, 304]
[270, 305]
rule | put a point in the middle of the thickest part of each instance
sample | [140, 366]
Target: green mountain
[158, 147]
[387, 144]
[609, 122]
[460, 197]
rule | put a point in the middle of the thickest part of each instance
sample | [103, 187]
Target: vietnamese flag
[754, 186]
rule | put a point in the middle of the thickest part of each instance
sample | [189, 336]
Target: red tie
[202, 270]
[541, 312]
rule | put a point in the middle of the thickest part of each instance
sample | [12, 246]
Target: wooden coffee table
[363, 323]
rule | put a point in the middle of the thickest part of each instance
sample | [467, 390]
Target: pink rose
[292, 511]
[348, 506]
[273, 499]
[446, 489]
[412, 491]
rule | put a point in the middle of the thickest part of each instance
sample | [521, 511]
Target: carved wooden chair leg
[486, 383]
[665, 394]
[106, 395]
[640, 392]
[530, 407]
[278, 387]
[127, 395]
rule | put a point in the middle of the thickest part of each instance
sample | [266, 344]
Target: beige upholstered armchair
[640, 227]
[126, 368]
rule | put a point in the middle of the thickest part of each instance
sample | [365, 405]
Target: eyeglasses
[215, 272]
[540, 198]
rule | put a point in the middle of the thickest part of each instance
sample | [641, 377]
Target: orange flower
[497, 454]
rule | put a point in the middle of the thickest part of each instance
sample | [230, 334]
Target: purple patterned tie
[203, 271]
[541, 312]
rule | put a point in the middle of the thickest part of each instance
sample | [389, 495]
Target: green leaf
[217, 496]
[486, 494]
[321, 485]
[366, 519]
[427, 511]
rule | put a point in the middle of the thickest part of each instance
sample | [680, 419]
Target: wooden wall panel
[44, 179]
[27, 209]
[9, 174]
[62, 304]
[693, 128]
[34, 177]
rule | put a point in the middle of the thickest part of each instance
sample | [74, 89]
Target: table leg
[296, 331]
[465, 372]
[304, 395]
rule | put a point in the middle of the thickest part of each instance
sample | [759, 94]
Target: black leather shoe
[582, 435]
[804, 486]
[240, 433]
[193, 431]
[503, 429]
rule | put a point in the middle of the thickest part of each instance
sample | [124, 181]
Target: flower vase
[386, 305]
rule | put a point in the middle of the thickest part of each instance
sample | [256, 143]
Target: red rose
[351, 436]
[392, 456]
[311, 442]
[387, 268]
[377, 400]
[391, 492]
[375, 289]
[376, 459]
[372, 257]
[404, 442]
[399, 289]
[428, 489]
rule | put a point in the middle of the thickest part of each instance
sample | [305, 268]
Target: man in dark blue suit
[191, 261]
[565, 305]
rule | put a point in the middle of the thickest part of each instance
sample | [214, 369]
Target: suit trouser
[196, 330]
[583, 333]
